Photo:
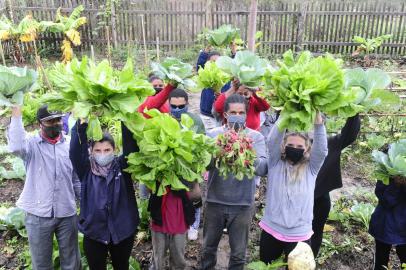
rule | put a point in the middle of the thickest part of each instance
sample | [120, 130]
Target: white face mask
[102, 159]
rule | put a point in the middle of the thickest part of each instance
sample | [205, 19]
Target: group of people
[301, 170]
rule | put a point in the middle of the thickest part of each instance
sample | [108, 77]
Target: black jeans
[321, 209]
[96, 253]
[382, 251]
[271, 248]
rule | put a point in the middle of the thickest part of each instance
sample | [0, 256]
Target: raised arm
[319, 148]
[79, 149]
[274, 141]
[129, 145]
[202, 59]
[260, 104]
[156, 102]
[349, 132]
[17, 137]
[261, 162]
[219, 104]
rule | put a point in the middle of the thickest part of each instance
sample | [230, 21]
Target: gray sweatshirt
[230, 191]
[289, 204]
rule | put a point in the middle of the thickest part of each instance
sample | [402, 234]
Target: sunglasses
[178, 106]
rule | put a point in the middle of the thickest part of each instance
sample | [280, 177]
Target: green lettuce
[248, 67]
[391, 164]
[175, 72]
[169, 151]
[304, 85]
[222, 36]
[212, 77]
[14, 82]
[91, 90]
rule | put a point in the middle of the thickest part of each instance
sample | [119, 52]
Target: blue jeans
[237, 220]
[41, 232]
[196, 224]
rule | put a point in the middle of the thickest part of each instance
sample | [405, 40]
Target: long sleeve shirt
[159, 101]
[256, 105]
[51, 184]
[289, 203]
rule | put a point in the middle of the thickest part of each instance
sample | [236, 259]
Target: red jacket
[256, 105]
[159, 101]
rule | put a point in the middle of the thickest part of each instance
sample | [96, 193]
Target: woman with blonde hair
[292, 170]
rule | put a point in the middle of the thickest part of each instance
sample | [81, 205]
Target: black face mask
[294, 154]
[158, 89]
[52, 131]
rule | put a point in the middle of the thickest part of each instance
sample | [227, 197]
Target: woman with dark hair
[108, 208]
[229, 201]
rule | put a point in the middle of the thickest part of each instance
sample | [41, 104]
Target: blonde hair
[296, 173]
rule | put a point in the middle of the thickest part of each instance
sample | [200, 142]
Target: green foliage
[31, 105]
[17, 168]
[391, 164]
[12, 218]
[369, 45]
[305, 85]
[175, 72]
[258, 265]
[246, 66]
[222, 36]
[361, 213]
[14, 82]
[330, 247]
[169, 151]
[211, 77]
[90, 90]
[369, 87]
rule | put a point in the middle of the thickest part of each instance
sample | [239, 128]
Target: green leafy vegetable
[170, 152]
[175, 72]
[212, 77]
[222, 36]
[13, 218]
[392, 164]
[368, 86]
[304, 85]
[17, 169]
[90, 90]
[14, 82]
[248, 67]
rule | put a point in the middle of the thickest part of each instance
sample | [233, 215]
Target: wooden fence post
[113, 23]
[209, 14]
[252, 24]
[301, 19]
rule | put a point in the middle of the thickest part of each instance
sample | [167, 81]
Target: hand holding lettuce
[91, 90]
[14, 82]
[211, 77]
[168, 151]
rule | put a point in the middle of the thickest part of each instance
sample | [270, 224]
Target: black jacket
[329, 177]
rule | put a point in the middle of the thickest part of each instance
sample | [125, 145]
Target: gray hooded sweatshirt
[289, 204]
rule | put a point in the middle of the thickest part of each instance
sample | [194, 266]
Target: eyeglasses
[178, 106]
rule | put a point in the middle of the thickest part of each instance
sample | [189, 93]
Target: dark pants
[237, 220]
[271, 248]
[382, 252]
[96, 253]
[321, 209]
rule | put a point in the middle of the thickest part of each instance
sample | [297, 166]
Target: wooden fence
[320, 26]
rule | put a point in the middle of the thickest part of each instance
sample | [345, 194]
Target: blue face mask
[177, 112]
[236, 121]
[103, 159]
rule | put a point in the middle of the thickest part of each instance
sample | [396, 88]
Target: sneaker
[192, 234]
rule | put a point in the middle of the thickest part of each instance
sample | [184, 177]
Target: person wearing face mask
[230, 202]
[108, 209]
[158, 101]
[50, 189]
[256, 105]
[292, 170]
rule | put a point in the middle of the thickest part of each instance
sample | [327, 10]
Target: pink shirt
[173, 218]
[284, 238]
